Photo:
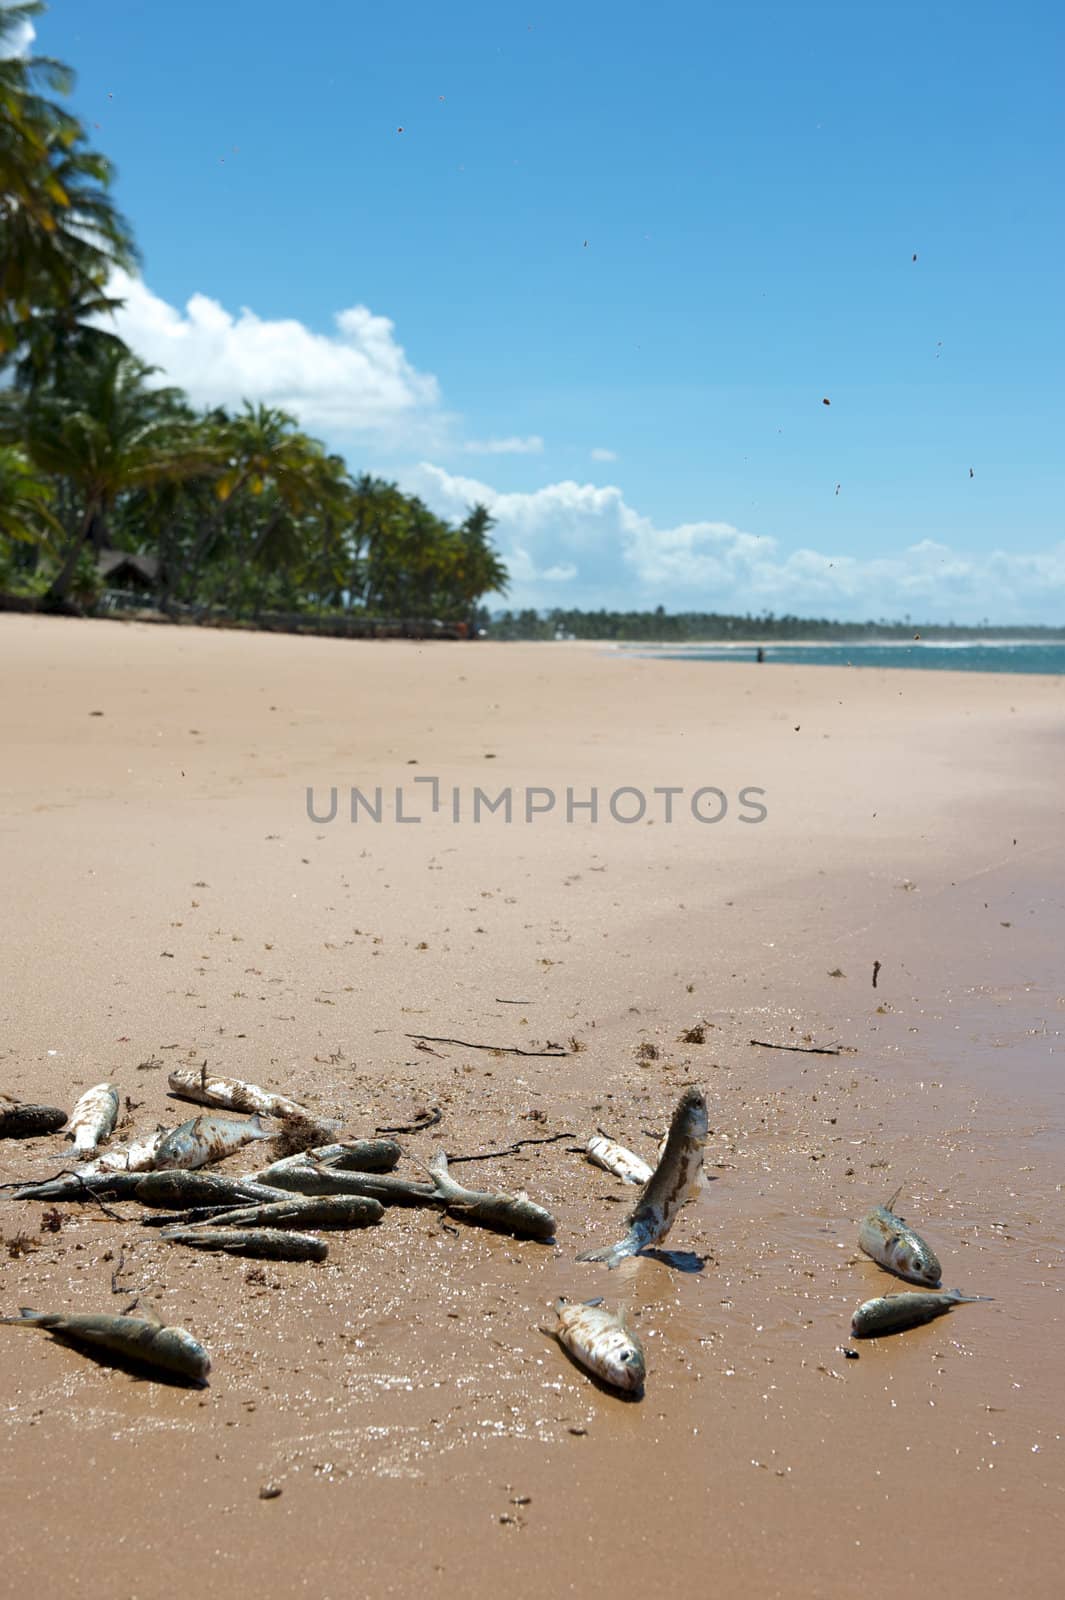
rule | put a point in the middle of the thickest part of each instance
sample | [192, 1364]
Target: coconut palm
[106, 433]
[60, 233]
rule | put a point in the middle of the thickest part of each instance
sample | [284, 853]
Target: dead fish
[207, 1139]
[603, 1342]
[307, 1178]
[328, 1211]
[673, 1183]
[172, 1348]
[512, 1213]
[82, 1186]
[21, 1121]
[136, 1157]
[231, 1094]
[270, 1244]
[92, 1119]
[891, 1313]
[893, 1244]
[614, 1158]
[355, 1155]
[179, 1187]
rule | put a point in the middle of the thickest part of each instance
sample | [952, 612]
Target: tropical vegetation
[229, 513]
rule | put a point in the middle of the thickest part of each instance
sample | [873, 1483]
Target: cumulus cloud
[531, 446]
[602, 454]
[578, 544]
[355, 380]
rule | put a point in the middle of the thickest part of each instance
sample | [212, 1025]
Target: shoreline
[173, 903]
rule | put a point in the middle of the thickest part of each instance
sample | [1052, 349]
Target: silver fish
[614, 1158]
[299, 1211]
[602, 1342]
[895, 1245]
[232, 1094]
[512, 1213]
[891, 1313]
[92, 1119]
[151, 1342]
[206, 1139]
[269, 1244]
[673, 1183]
[357, 1155]
[139, 1156]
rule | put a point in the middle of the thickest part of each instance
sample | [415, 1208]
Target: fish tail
[28, 1315]
[612, 1254]
[959, 1299]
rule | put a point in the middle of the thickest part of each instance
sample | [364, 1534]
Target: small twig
[494, 1155]
[429, 1120]
[805, 1049]
[500, 1049]
[500, 1002]
[876, 972]
[67, 1172]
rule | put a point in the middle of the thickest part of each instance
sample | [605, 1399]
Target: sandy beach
[168, 901]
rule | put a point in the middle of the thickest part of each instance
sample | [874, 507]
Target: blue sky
[610, 268]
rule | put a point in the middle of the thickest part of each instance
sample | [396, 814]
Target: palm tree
[107, 432]
[60, 233]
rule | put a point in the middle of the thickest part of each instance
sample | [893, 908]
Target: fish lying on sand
[270, 1244]
[299, 1126]
[893, 1244]
[603, 1342]
[172, 1348]
[136, 1157]
[512, 1213]
[356, 1155]
[891, 1313]
[180, 1187]
[21, 1121]
[673, 1183]
[309, 1177]
[150, 1188]
[614, 1158]
[81, 1186]
[92, 1120]
[327, 1211]
[232, 1094]
[206, 1139]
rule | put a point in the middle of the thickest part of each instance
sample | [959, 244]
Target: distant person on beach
[760, 654]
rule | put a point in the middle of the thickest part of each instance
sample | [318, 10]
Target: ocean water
[947, 655]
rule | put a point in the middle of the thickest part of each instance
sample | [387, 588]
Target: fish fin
[607, 1254]
[889, 1205]
[25, 1314]
[596, 1302]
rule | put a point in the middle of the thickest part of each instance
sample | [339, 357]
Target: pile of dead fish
[317, 1182]
[315, 1186]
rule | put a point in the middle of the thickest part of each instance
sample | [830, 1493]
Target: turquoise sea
[949, 655]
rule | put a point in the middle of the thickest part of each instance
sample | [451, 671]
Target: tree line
[240, 512]
[665, 627]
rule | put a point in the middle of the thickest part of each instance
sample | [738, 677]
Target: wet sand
[168, 901]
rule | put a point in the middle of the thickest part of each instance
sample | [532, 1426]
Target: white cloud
[578, 544]
[601, 454]
[18, 41]
[531, 446]
[356, 380]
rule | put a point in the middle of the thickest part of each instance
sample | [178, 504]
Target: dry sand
[167, 901]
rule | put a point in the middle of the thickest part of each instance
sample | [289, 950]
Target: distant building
[126, 569]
